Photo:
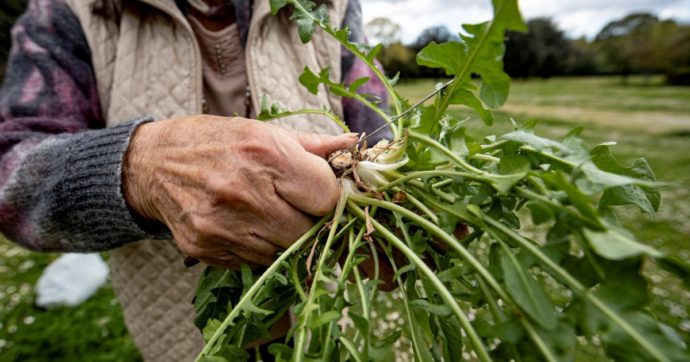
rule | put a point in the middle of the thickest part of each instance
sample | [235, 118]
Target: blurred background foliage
[637, 44]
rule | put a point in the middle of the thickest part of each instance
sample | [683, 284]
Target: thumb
[323, 145]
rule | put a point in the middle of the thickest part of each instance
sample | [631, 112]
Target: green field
[650, 120]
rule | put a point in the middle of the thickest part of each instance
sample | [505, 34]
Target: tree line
[639, 43]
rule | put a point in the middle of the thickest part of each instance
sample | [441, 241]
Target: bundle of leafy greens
[506, 247]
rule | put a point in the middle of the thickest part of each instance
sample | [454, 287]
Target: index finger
[308, 183]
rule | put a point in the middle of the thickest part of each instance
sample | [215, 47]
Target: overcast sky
[575, 17]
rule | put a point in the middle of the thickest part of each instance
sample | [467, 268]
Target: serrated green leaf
[212, 294]
[619, 343]
[529, 138]
[305, 27]
[540, 212]
[448, 56]
[507, 15]
[339, 90]
[617, 244]
[495, 85]
[305, 17]
[464, 96]
[503, 183]
[280, 351]
[361, 323]
[624, 286]
[403, 270]
[323, 318]
[646, 200]
[561, 342]
[247, 276]
[354, 86]
[512, 163]
[371, 55]
[253, 309]
[310, 80]
[645, 197]
[383, 350]
[576, 197]
[280, 278]
[452, 344]
[425, 120]
[351, 348]
[527, 292]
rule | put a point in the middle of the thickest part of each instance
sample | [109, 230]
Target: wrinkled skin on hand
[231, 190]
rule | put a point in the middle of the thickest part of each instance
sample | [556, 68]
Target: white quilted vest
[147, 62]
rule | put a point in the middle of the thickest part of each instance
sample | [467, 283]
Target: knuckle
[255, 141]
[202, 228]
[266, 145]
[224, 191]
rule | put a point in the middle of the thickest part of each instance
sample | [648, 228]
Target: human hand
[232, 191]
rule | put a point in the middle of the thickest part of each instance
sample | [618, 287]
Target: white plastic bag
[71, 280]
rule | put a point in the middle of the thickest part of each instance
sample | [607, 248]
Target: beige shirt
[224, 72]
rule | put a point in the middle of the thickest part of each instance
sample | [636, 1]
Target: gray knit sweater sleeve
[60, 169]
[67, 194]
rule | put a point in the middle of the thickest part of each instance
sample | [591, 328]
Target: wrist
[137, 170]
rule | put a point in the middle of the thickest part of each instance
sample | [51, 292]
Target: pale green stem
[402, 178]
[346, 268]
[433, 143]
[479, 348]
[434, 229]
[296, 282]
[488, 158]
[446, 182]
[351, 348]
[320, 112]
[300, 339]
[491, 146]
[408, 311]
[545, 351]
[527, 194]
[491, 301]
[420, 205]
[370, 64]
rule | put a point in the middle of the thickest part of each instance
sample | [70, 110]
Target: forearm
[65, 195]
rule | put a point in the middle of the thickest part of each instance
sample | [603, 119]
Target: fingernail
[351, 134]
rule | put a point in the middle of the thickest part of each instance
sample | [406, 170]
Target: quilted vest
[147, 62]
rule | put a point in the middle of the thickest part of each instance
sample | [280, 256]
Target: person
[115, 134]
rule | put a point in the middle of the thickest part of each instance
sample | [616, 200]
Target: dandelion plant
[501, 248]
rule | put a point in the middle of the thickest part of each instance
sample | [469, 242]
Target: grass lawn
[653, 121]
